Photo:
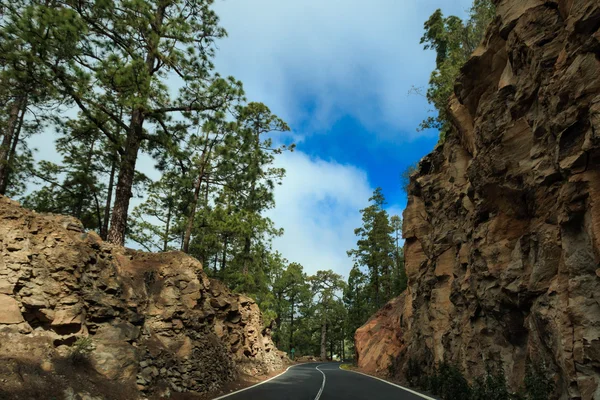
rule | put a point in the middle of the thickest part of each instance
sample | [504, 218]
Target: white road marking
[253, 386]
[324, 379]
[389, 383]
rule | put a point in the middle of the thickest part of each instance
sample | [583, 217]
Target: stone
[9, 310]
[47, 366]
[68, 316]
[6, 287]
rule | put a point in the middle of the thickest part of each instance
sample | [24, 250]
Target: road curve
[323, 381]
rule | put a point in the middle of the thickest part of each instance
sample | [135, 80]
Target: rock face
[502, 226]
[157, 324]
[379, 341]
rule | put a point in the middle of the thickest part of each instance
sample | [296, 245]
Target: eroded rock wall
[502, 226]
[157, 323]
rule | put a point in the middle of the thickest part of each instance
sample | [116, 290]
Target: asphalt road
[323, 381]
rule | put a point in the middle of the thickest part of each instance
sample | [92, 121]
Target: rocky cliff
[156, 324]
[502, 226]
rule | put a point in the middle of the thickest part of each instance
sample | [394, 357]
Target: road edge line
[255, 385]
[324, 380]
[389, 383]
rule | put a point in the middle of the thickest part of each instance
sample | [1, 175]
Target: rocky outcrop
[379, 341]
[156, 323]
[502, 226]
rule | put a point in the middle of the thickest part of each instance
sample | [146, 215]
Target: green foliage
[453, 40]
[399, 278]
[356, 301]
[381, 257]
[156, 223]
[538, 384]
[492, 386]
[375, 251]
[448, 382]
[414, 372]
[81, 350]
[405, 176]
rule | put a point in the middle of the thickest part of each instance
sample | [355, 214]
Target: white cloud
[318, 207]
[318, 60]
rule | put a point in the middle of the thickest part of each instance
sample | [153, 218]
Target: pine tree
[399, 275]
[154, 223]
[292, 291]
[122, 56]
[254, 121]
[326, 285]
[32, 35]
[356, 301]
[453, 41]
[375, 249]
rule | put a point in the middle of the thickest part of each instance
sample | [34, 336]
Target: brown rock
[379, 341]
[143, 313]
[9, 310]
[502, 224]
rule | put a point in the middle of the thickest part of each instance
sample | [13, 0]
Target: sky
[339, 73]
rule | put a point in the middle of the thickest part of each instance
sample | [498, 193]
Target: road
[323, 381]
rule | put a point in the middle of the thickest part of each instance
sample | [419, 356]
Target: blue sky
[339, 72]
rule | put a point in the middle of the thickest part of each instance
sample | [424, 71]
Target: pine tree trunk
[191, 216]
[292, 326]
[82, 190]
[247, 257]
[224, 258]
[251, 200]
[376, 285]
[331, 343]
[278, 324]
[111, 183]
[190, 225]
[13, 151]
[167, 227]
[118, 222]
[98, 214]
[11, 135]
[324, 338]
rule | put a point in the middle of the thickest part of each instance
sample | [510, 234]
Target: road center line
[323, 385]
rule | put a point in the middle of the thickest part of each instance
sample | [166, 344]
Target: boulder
[9, 310]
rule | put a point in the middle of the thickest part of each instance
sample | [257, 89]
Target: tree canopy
[453, 41]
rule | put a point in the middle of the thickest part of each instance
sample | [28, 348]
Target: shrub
[413, 372]
[538, 385]
[492, 386]
[81, 350]
[452, 383]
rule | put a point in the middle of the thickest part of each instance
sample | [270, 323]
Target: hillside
[156, 325]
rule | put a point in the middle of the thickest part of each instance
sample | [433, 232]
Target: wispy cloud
[318, 207]
[318, 60]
